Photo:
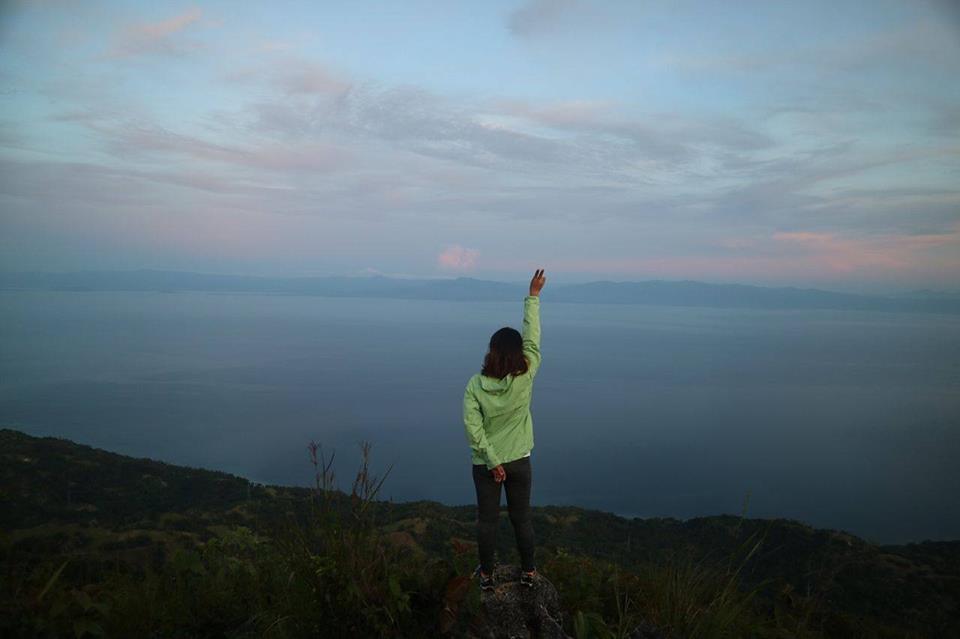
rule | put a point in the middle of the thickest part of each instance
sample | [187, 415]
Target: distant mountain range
[654, 292]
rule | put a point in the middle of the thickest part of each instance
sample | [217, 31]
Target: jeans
[517, 484]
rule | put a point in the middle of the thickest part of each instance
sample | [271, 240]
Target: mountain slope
[57, 496]
[669, 293]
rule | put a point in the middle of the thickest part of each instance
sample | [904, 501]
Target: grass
[335, 569]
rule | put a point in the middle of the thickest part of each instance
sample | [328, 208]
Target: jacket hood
[496, 386]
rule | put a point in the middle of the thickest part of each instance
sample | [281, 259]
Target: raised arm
[531, 323]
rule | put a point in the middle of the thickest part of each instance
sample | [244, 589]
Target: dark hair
[505, 355]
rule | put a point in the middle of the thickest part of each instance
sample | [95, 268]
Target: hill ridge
[464, 288]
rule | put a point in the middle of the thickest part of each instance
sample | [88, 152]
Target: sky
[773, 143]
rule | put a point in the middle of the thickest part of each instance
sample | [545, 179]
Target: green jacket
[496, 412]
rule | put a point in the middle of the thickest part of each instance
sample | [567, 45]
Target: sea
[840, 419]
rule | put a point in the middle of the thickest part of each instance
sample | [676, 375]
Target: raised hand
[537, 282]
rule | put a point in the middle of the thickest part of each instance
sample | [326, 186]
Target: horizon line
[409, 277]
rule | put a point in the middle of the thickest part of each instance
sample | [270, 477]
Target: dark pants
[517, 483]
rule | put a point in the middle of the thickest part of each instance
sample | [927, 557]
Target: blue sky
[776, 143]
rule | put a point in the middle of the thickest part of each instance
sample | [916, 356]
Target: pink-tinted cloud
[782, 257]
[458, 258]
[157, 37]
[843, 255]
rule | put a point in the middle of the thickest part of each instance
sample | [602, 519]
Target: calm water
[841, 419]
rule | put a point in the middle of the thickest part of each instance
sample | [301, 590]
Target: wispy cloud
[131, 140]
[840, 255]
[291, 75]
[908, 45]
[164, 37]
[658, 136]
[537, 16]
[813, 257]
[586, 138]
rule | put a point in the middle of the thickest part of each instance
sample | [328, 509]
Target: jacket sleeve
[531, 332]
[476, 435]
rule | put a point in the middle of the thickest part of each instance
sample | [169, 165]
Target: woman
[496, 413]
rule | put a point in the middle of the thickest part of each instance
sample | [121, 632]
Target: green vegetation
[98, 544]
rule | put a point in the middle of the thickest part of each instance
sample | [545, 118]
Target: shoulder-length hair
[505, 355]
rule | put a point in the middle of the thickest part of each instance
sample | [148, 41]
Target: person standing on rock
[496, 413]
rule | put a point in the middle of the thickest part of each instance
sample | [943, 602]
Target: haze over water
[841, 419]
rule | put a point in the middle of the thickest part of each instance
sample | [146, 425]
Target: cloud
[410, 119]
[414, 153]
[132, 140]
[292, 75]
[784, 186]
[945, 121]
[157, 38]
[581, 138]
[458, 258]
[871, 255]
[915, 45]
[570, 113]
[310, 138]
[667, 137]
[10, 136]
[783, 256]
[537, 16]
[311, 78]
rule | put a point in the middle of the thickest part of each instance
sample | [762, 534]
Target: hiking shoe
[528, 578]
[486, 581]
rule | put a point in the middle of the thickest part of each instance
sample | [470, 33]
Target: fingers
[538, 278]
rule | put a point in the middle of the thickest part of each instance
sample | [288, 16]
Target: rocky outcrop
[514, 611]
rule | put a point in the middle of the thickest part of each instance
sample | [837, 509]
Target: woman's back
[496, 412]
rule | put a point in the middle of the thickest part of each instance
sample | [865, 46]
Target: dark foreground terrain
[99, 544]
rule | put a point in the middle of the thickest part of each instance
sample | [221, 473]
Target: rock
[514, 611]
